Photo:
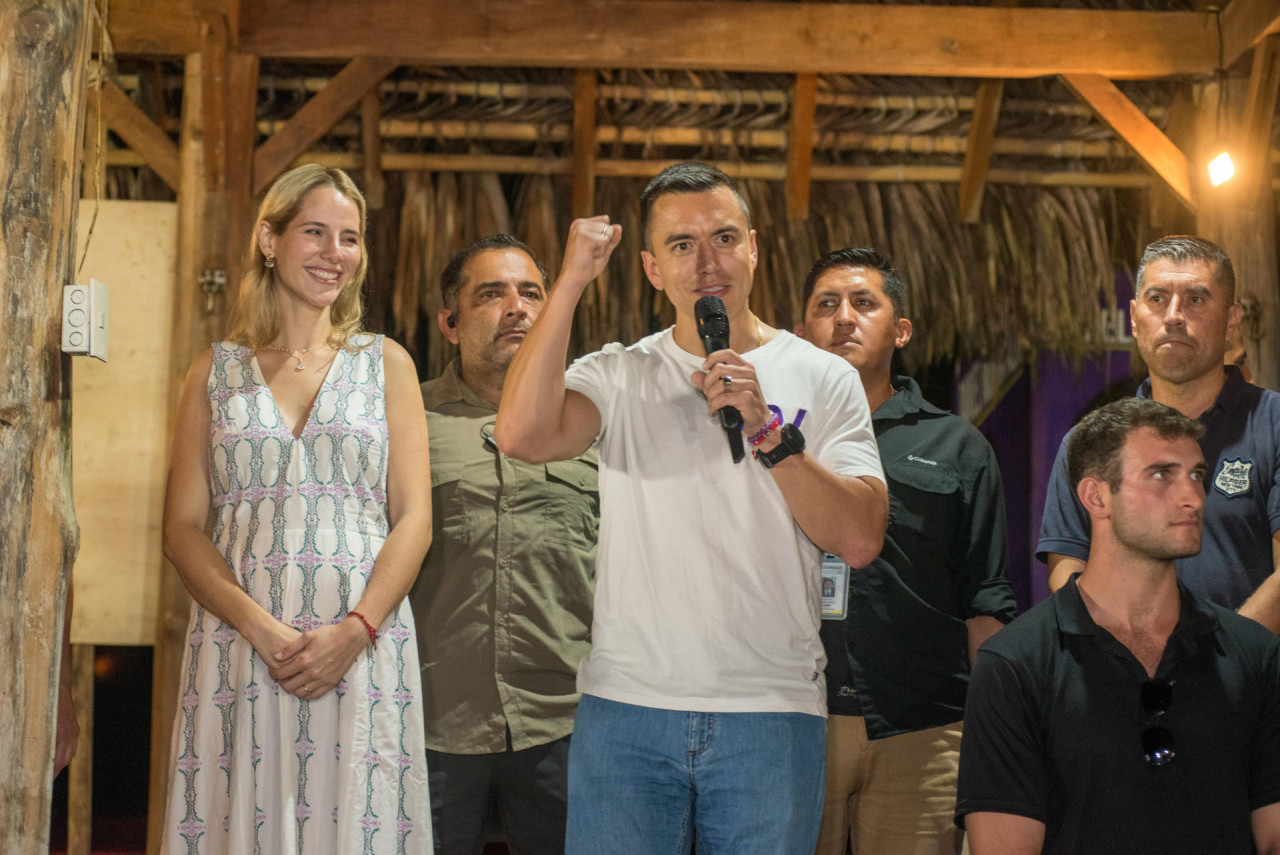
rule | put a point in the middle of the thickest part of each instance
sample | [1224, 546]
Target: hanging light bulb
[1221, 169]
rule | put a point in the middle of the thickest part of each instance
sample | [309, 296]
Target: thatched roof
[483, 149]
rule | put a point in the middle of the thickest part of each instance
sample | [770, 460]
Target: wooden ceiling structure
[359, 46]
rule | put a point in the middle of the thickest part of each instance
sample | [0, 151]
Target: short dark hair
[1094, 448]
[858, 256]
[1179, 248]
[691, 176]
[451, 279]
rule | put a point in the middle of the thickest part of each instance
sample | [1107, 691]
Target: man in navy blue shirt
[1182, 314]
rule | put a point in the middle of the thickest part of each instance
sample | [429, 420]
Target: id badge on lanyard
[835, 587]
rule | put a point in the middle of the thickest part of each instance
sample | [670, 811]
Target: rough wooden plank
[375, 185]
[800, 147]
[316, 117]
[767, 36]
[80, 773]
[44, 50]
[140, 133]
[585, 87]
[1148, 141]
[1244, 24]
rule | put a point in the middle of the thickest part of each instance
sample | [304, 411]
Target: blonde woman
[299, 725]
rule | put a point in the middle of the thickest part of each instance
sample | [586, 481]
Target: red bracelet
[769, 427]
[373, 633]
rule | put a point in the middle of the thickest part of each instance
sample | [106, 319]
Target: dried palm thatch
[1033, 273]
[438, 219]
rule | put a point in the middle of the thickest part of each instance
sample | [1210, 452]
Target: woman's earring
[270, 262]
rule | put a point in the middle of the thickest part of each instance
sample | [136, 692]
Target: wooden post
[585, 88]
[242, 101]
[44, 51]
[80, 780]
[194, 329]
[375, 185]
[1240, 217]
[800, 147]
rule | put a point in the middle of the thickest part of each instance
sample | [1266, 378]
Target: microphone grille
[711, 317]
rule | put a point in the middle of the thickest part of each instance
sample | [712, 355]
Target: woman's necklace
[296, 353]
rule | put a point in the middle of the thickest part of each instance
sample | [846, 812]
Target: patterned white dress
[300, 521]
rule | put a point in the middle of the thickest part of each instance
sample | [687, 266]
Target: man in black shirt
[1125, 713]
[898, 662]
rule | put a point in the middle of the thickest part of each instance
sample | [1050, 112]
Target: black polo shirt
[900, 658]
[1053, 731]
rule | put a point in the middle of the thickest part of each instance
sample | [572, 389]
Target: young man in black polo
[1127, 713]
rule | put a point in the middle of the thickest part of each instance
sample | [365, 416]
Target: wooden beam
[977, 156]
[707, 96]
[522, 165]
[44, 58]
[80, 773]
[316, 117]
[982, 136]
[680, 135]
[145, 28]
[1244, 24]
[140, 133]
[375, 185]
[768, 36]
[1129, 122]
[585, 81]
[800, 147]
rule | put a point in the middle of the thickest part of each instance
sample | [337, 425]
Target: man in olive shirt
[503, 603]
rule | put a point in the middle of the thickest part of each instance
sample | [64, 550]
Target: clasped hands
[310, 664]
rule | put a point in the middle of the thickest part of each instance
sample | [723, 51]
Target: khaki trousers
[893, 796]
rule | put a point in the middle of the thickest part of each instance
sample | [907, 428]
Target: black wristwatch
[792, 442]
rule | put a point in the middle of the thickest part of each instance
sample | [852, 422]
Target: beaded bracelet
[373, 633]
[769, 427]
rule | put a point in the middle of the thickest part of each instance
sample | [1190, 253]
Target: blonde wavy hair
[255, 319]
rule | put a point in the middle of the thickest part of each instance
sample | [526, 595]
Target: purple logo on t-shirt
[777, 411]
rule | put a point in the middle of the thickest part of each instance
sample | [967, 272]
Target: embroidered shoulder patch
[1233, 477]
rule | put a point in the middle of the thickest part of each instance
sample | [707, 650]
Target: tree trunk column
[44, 50]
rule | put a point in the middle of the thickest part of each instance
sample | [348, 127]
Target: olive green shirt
[503, 602]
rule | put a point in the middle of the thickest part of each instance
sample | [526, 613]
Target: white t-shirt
[708, 593]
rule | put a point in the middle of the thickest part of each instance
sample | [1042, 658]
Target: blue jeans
[643, 780]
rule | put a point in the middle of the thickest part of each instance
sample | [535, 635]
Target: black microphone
[713, 329]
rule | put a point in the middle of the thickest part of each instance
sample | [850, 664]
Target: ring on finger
[728, 383]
